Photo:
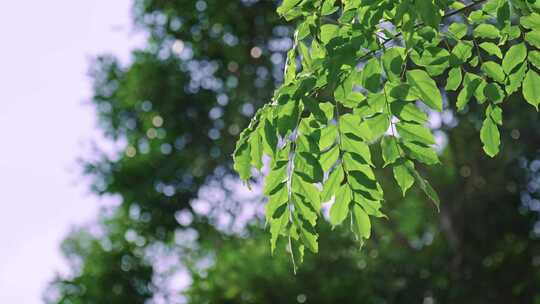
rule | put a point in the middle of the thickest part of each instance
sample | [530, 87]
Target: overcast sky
[45, 124]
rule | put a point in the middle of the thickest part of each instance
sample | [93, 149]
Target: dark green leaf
[429, 12]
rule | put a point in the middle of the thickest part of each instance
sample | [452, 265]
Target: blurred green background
[187, 231]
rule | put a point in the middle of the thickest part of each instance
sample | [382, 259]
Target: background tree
[180, 106]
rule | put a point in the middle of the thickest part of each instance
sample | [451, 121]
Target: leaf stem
[389, 39]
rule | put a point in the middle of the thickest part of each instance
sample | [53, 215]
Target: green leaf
[435, 60]
[503, 14]
[494, 92]
[491, 48]
[407, 111]
[304, 29]
[415, 133]
[470, 85]
[495, 113]
[343, 89]
[277, 212]
[426, 155]
[306, 143]
[531, 21]
[403, 176]
[512, 32]
[268, 134]
[458, 30]
[290, 67]
[377, 102]
[371, 207]
[392, 61]
[349, 123]
[286, 8]
[353, 161]
[307, 165]
[275, 177]
[340, 207]
[461, 53]
[533, 38]
[378, 125]
[331, 185]
[287, 117]
[256, 150]
[534, 58]
[329, 7]
[322, 111]
[276, 199]
[278, 225]
[303, 208]
[493, 70]
[328, 32]
[454, 79]
[304, 52]
[242, 161]
[353, 99]
[515, 55]
[307, 190]
[531, 88]
[354, 145]
[426, 88]
[430, 192]
[361, 176]
[390, 149]
[429, 12]
[307, 233]
[296, 248]
[328, 136]
[516, 78]
[329, 158]
[479, 93]
[371, 76]
[361, 224]
[474, 61]
[424, 185]
[489, 135]
[486, 30]
[478, 16]
[399, 91]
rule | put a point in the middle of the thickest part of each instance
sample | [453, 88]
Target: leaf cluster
[364, 73]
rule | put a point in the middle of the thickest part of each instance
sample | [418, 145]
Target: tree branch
[387, 40]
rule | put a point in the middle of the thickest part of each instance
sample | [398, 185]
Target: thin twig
[387, 40]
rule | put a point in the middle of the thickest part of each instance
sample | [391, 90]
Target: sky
[46, 123]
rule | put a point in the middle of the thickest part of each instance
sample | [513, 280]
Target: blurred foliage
[176, 110]
[111, 269]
